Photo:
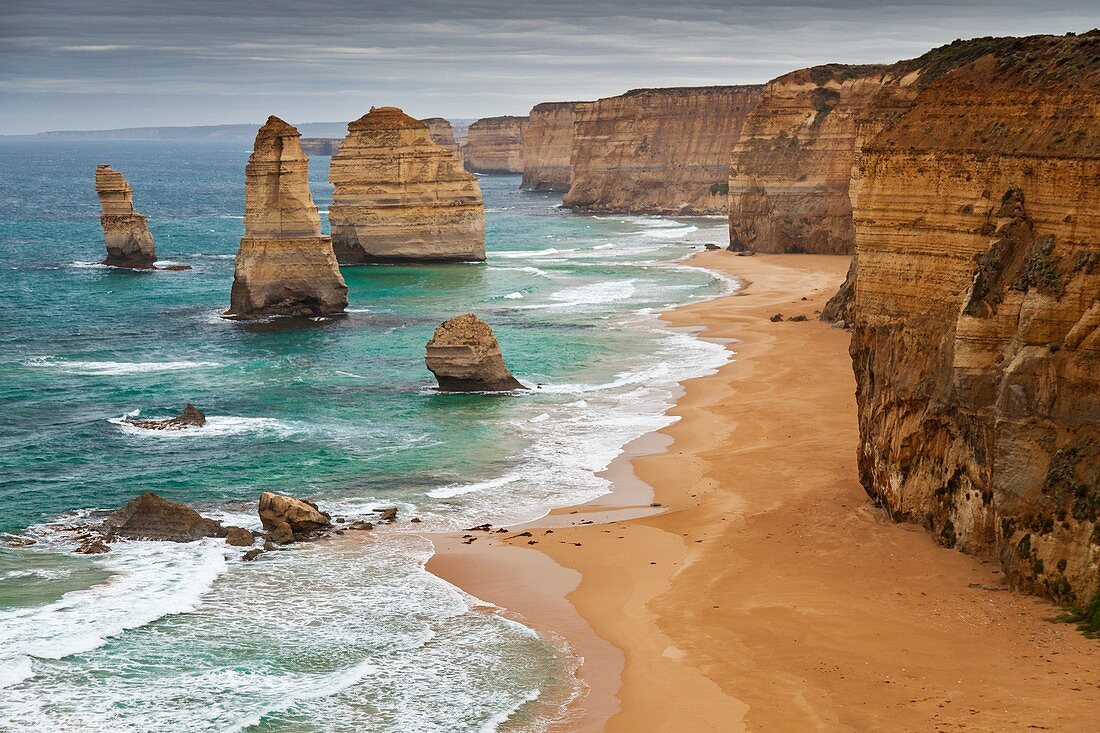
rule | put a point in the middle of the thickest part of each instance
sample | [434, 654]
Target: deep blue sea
[331, 636]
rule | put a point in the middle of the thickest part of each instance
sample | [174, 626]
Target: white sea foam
[216, 426]
[590, 294]
[513, 296]
[677, 233]
[116, 368]
[526, 254]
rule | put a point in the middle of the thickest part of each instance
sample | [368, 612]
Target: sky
[97, 64]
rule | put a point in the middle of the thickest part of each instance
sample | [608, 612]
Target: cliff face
[657, 150]
[791, 167]
[323, 146]
[548, 145]
[401, 197]
[443, 135]
[976, 341]
[284, 266]
[125, 232]
[495, 145]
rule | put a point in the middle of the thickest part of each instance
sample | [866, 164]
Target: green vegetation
[1086, 617]
[720, 188]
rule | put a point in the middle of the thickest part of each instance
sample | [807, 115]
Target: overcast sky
[91, 64]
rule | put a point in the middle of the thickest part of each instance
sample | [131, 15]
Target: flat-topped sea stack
[976, 338]
[548, 146]
[661, 151]
[400, 197]
[443, 134]
[495, 145]
[464, 356]
[320, 146]
[125, 232]
[284, 266]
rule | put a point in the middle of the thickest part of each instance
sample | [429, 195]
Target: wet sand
[766, 592]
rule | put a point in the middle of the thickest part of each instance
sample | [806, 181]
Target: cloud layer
[71, 64]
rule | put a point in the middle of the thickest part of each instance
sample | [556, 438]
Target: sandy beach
[766, 592]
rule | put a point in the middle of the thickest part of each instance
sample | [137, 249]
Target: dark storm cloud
[68, 64]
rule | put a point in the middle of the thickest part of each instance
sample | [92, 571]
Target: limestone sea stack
[400, 197]
[976, 340]
[125, 232]
[548, 146]
[495, 145]
[661, 151]
[464, 356]
[284, 265]
[443, 135]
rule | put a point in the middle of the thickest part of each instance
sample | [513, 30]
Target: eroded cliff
[399, 196]
[548, 146]
[495, 145]
[125, 232]
[284, 266]
[976, 341]
[657, 150]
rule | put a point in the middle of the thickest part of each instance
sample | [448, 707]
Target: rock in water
[239, 537]
[191, 417]
[300, 515]
[464, 356]
[150, 517]
[125, 232]
[284, 266]
[399, 196]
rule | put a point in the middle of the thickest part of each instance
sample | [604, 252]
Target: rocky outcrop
[320, 146]
[239, 537]
[289, 519]
[976, 341]
[464, 356]
[125, 232]
[443, 135]
[400, 197]
[495, 145]
[548, 146]
[284, 266]
[791, 167]
[657, 150]
[191, 417]
[150, 517]
[840, 308]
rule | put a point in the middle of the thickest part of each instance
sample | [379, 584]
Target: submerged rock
[151, 517]
[92, 546]
[191, 417]
[125, 232]
[301, 516]
[284, 266]
[464, 356]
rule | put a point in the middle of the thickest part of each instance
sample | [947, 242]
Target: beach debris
[464, 356]
[533, 542]
[483, 528]
[151, 517]
[711, 246]
[776, 318]
[239, 537]
[302, 516]
[191, 417]
[469, 540]
[521, 534]
[655, 504]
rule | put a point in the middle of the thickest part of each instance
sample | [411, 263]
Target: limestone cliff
[442, 133]
[284, 266]
[321, 146]
[401, 197]
[548, 146]
[976, 341]
[495, 145]
[464, 356]
[790, 169]
[657, 150]
[125, 232]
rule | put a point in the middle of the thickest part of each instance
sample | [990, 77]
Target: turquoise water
[349, 635]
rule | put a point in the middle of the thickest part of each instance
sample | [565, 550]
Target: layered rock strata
[976, 341]
[548, 146]
[125, 232]
[657, 150]
[400, 197]
[495, 145]
[320, 146]
[284, 266]
[464, 356]
[443, 135]
[791, 167]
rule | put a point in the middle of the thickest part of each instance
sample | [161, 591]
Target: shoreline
[766, 592]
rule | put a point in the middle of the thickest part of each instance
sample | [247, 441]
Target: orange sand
[767, 593]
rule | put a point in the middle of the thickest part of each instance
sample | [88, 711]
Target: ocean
[350, 634]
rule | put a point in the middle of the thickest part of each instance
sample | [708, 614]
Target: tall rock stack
[791, 167]
[548, 146]
[661, 151]
[125, 232]
[443, 135]
[400, 197]
[284, 265]
[495, 145]
[976, 341]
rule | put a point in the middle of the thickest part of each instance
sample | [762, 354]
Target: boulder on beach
[464, 356]
[300, 515]
[151, 517]
[191, 417]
